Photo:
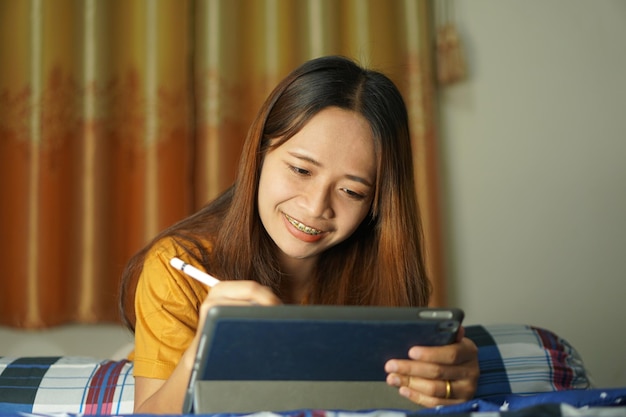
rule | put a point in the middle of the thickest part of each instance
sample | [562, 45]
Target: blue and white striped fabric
[66, 385]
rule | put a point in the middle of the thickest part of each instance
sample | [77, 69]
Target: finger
[463, 389]
[423, 378]
[460, 391]
[418, 369]
[441, 389]
[399, 371]
[426, 400]
[453, 354]
[425, 392]
[461, 334]
[234, 292]
[434, 387]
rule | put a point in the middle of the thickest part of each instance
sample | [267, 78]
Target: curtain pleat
[120, 117]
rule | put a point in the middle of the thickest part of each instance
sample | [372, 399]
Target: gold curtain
[119, 117]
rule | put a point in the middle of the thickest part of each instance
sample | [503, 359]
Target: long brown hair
[380, 264]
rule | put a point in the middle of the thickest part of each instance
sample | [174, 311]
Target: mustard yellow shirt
[166, 306]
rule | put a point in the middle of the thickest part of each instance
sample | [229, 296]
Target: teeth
[302, 227]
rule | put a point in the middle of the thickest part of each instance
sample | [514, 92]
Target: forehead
[339, 136]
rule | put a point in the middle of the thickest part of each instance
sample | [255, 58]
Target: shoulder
[164, 249]
[159, 279]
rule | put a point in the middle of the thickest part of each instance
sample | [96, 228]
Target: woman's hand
[439, 375]
[237, 293]
[240, 293]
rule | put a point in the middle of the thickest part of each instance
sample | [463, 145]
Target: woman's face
[317, 187]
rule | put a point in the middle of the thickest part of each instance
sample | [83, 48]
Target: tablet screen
[316, 343]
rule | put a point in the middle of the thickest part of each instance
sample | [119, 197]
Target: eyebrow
[319, 164]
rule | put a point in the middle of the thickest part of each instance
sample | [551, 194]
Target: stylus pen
[193, 272]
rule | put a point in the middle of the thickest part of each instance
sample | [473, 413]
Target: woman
[323, 211]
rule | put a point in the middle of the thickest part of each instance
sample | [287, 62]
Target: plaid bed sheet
[66, 384]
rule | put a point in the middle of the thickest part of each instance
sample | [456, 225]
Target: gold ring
[448, 389]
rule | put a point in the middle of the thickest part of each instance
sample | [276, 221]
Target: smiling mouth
[302, 227]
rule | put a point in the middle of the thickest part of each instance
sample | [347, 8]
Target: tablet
[278, 353]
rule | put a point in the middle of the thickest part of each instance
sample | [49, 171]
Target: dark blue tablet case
[254, 356]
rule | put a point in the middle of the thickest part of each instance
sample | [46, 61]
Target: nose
[318, 201]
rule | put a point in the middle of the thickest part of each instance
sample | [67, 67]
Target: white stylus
[193, 272]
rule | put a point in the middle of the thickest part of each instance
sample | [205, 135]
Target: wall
[534, 172]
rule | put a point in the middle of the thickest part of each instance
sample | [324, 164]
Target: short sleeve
[166, 306]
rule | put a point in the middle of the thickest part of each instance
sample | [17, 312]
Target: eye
[299, 171]
[353, 194]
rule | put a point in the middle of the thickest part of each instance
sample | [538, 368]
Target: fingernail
[394, 381]
[391, 367]
[415, 353]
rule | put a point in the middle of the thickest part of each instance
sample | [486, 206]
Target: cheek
[353, 217]
[264, 192]
[272, 189]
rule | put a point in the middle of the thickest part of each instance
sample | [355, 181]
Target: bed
[525, 370]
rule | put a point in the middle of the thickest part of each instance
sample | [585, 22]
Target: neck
[297, 276]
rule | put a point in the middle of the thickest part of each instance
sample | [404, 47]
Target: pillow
[66, 384]
[521, 359]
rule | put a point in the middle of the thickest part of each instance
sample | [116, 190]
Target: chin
[291, 252]
[299, 255]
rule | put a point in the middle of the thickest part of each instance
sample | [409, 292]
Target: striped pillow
[521, 359]
[66, 384]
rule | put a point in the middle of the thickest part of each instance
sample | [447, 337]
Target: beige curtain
[119, 117]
